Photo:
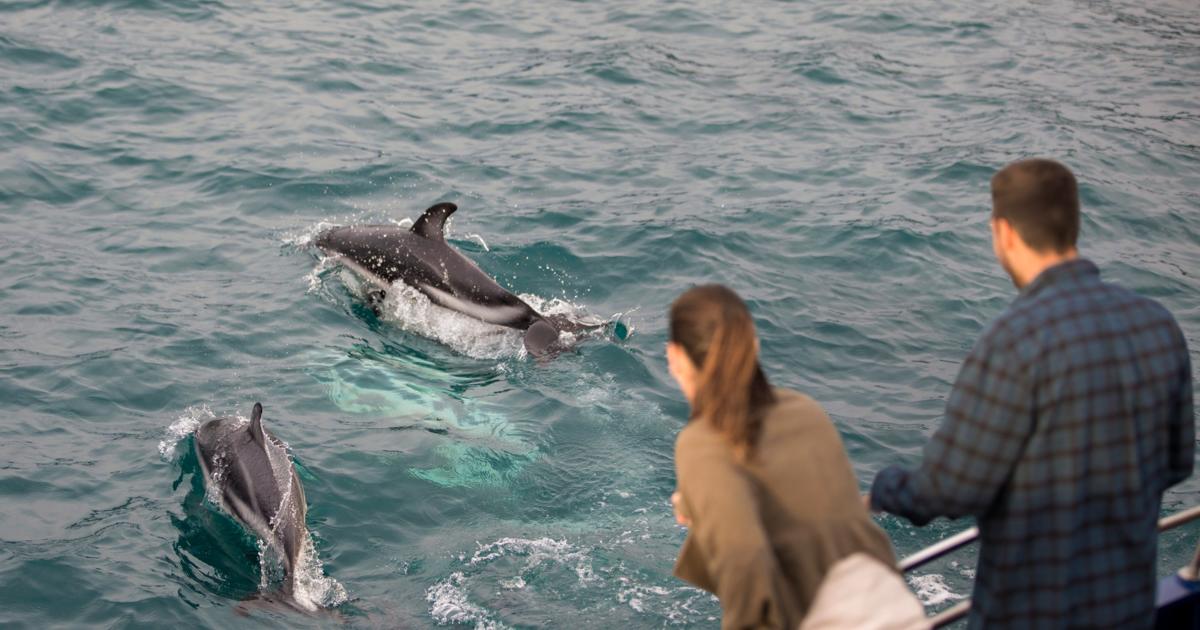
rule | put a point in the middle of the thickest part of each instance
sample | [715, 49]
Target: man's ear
[1004, 233]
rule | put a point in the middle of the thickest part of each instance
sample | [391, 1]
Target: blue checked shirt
[1068, 420]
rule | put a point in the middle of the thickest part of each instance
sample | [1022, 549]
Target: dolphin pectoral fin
[540, 338]
[256, 429]
[433, 222]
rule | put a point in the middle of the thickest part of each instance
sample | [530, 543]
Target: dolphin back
[247, 470]
[421, 258]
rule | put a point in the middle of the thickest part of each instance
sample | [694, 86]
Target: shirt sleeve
[728, 536]
[970, 457]
[1183, 429]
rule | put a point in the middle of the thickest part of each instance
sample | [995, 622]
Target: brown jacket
[765, 532]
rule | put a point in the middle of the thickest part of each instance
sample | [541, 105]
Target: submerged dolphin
[421, 258]
[248, 471]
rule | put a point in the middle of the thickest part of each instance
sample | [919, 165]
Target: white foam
[304, 237]
[538, 551]
[515, 584]
[537, 572]
[932, 589]
[312, 588]
[412, 311]
[314, 278]
[182, 427]
[448, 598]
[635, 594]
[448, 603]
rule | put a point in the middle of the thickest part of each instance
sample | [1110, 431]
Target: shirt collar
[1070, 272]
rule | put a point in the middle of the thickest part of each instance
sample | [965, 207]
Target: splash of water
[182, 427]
[536, 552]
[312, 588]
[518, 564]
[479, 239]
[303, 237]
[413, 312]
[449, 603]
[932, 589]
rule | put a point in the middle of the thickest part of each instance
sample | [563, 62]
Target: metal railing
[968, 536]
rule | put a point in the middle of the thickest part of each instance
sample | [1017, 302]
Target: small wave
[479, 239]
[666, 601]
[537, 552]
[448, 603]
[543, 569]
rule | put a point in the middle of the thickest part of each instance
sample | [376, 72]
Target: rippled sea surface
[164, 164]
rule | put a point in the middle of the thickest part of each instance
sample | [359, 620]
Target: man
[1069, 418]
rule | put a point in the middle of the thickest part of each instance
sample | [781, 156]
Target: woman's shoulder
[792, 401]
[698, 433]
[794, 411]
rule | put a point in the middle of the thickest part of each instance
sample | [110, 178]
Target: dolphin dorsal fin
[256, 429]
[433, 221]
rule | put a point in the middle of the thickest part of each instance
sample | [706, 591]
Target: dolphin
[421, 258]
[248, 471]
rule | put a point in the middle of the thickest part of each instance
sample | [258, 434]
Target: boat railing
[968, 536]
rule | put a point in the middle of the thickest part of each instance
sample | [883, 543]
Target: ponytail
[732, 394]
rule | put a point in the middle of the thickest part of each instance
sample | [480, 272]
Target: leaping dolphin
[421, 258]
[248, 471]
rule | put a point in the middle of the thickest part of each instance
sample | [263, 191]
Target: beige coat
[764, 533]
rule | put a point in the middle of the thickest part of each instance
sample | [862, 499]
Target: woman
[764, 484]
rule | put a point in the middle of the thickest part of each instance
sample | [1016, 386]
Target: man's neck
[1036, 263]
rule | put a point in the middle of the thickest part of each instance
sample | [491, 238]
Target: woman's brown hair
[715, 329]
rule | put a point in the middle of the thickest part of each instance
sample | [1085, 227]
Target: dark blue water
[164, 164]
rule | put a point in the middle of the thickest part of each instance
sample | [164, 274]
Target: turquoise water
[165, 162]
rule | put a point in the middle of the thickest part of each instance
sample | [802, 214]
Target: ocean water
[165, 164]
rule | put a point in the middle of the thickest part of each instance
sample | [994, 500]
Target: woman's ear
[675, 356]
[680, 365]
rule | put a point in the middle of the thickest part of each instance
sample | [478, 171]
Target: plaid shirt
[1068, 420]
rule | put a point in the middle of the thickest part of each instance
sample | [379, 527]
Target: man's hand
[677, 505]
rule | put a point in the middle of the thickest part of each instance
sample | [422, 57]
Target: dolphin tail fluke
[540, 338]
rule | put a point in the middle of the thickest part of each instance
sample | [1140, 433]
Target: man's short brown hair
[1040, 198]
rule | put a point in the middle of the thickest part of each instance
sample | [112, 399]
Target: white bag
[860, 593]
